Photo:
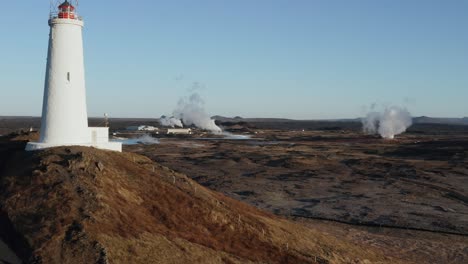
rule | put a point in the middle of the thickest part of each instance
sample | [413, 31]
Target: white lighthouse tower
[64, 114]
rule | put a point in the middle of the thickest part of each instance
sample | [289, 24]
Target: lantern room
[66, 10]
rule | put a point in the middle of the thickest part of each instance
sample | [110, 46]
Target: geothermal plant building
[64, 114]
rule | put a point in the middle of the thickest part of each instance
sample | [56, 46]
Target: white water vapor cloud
[191, 110]
[388, 122]
[170, 121]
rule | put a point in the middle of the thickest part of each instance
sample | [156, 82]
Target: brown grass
[94, 206]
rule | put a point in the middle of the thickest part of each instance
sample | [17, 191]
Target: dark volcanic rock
[83, 205]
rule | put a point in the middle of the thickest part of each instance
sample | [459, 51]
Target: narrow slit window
[68, 76]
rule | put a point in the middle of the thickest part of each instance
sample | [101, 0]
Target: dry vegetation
[412, 186]
[341, 197]
[82, 205]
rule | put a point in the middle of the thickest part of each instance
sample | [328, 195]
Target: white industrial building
[64, 113]
[179, 131]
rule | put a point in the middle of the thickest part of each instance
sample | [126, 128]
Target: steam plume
[231, 136]
[371, 122]
[192, 112]
[147, 140]
[391, 121]
[170, 121]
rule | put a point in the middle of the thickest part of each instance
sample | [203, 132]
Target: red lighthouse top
[66, 10]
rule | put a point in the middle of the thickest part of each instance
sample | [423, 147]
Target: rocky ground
[404, 199]
[413, 182]
[82, 205]
[407, 186]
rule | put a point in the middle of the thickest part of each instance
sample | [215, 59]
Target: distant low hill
[416, 120]
[439, 120]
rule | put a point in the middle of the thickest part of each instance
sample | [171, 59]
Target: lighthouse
[64, 114]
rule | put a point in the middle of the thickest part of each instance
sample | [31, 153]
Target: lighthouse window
[68, 76]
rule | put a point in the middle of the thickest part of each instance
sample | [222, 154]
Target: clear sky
[302, 59]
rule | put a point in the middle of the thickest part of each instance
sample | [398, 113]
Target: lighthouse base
[114, 146]
[99, 139]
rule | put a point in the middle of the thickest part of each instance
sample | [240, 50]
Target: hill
[435, 120]
[83, 205]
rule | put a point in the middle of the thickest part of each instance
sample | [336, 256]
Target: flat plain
[406, 197]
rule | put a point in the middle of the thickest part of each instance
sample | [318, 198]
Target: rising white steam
[192, 112]
[231, 136]
[370, 123]
[389, 122]
[147, 140]
[170, 121]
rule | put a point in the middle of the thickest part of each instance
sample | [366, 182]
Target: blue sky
[304, 59]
